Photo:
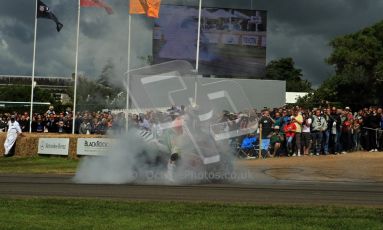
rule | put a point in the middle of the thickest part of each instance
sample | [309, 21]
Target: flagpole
[75, 71]
[197, 54]
[33, 71]
[128, 72]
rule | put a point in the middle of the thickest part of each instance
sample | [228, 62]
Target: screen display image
[232, 41]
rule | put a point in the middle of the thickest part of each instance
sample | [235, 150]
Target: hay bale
[27, 146]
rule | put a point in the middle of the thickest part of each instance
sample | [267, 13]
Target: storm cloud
[296, 28]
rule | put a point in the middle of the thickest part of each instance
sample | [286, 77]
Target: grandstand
[58, 84]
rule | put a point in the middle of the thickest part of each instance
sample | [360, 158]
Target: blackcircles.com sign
[53, 146]
[94, 146]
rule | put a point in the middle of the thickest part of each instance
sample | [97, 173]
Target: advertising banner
[54, 146]
[94, 146]
[230, 39]
[250, 40]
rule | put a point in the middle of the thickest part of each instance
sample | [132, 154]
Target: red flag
[96, 3]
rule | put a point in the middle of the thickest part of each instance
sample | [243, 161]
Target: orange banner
[149, 7]
[153, 8]
[137, 7]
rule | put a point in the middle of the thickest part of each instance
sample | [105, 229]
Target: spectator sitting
[276, 140]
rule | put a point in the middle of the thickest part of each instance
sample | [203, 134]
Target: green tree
[284, 69]
[108, 75]
[358, 62]
[93, 96]
[22, 93]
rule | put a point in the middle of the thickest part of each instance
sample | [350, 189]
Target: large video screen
[232, 41]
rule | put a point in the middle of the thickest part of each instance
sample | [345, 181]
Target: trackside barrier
[28, 146]
[378, 135]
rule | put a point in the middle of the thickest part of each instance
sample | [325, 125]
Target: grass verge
[39, 164]
[101, 214]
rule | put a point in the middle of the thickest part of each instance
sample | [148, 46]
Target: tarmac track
[283, 192]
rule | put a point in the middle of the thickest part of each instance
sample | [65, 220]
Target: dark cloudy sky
[296, 28]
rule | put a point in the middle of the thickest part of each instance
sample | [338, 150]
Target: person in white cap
[13, 131]
[276, 140]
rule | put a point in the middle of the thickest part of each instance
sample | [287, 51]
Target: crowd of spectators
[321, 131]
[291, 131]
[62, 122]
[287, 131]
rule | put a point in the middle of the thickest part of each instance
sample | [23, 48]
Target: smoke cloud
[184, 148]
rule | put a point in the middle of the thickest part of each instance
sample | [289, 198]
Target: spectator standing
[143, 123]
[373, 126]
[278, 119]
[3, 124]
[285, 118]
[380, 132]
[38, 124]
[298, 121]
[120, 123]
[289, 130]
[334, 125]
[13, 131]
[68, 123]
[78, 121]
[356, 133]
[61, 127]
[318, 126]
[346, 136]
[267, 124]
[327, 132]
[85, 127]
[306, 134]
[24, 123]
[51, 123]
[50, 110]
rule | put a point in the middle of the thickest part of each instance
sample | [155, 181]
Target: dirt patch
[352, 167]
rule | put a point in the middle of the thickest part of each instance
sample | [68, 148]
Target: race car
[187, 156]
